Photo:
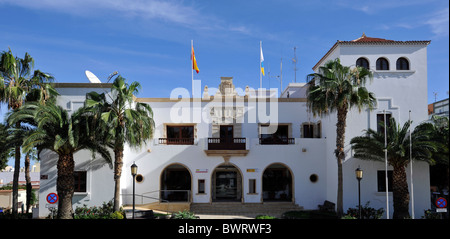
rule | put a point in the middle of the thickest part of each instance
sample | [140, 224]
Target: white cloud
[438, 23]
[170, 11]
[372, 7]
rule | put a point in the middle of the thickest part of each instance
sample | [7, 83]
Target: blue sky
[149, 41]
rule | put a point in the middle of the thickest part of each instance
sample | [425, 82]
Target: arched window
[277, 183]
[382, 64]
[402, 64]
[175, 183]
[363, 62]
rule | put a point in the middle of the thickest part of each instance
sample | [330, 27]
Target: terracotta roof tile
[371, 41]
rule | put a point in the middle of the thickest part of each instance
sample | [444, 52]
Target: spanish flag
[194, 61]
[262, 61]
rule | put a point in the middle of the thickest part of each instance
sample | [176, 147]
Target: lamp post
[134, 168]
[359, 175]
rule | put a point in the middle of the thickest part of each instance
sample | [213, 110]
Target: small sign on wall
[205, 170]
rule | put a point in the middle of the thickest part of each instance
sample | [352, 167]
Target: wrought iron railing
[176, 141]
[276, 140]
[226, 143]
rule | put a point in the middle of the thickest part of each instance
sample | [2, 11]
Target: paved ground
[208, 216]
[217, 216]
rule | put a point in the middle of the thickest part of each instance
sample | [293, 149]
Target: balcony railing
[276, 140]
[226, 143]
[176, 141]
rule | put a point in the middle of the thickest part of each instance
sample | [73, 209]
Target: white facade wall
[302, 164]
[397, 92]
[100, 183]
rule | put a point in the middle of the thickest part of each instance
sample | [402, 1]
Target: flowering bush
[103, 212]
[366, 212]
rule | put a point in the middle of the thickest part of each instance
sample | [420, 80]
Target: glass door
[226, 185]
[226, 133]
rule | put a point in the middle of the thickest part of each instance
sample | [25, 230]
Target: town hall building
[253, 146]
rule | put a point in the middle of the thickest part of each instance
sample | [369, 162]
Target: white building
[222, 148]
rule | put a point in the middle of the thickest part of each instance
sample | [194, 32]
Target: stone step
[237, 208]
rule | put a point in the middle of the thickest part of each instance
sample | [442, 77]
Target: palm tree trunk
[118, 162]
[400, 192]
[15, 199]
[65, 185]
[28, 182]
[340, 156]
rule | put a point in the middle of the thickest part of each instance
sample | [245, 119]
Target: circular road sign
[441, 202]
[52, 198]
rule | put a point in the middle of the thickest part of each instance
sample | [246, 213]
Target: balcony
[226, 143]
[227, 147]
[271, 141]
[176, 141]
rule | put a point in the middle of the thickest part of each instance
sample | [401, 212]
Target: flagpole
[260, 72]
[192, 67]
[411, 165]
[386, 166]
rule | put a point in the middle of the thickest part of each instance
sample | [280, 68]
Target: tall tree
[370, 146]
[338, 88]
[17, 79]
[63, 134]
[439, 173]
[4, 147]
[128, 122]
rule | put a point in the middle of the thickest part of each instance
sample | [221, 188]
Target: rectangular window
[281, 136]
[308, 131]
[380, 122]
[201, 186]
[180, 135]
[381, 178]
[252, 186]
[80, 181]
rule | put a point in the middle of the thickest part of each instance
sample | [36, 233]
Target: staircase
[250, 210]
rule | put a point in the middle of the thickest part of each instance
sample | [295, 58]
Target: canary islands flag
[262, 61]
[194, 61]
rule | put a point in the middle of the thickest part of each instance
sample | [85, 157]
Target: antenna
[435, 95]
[91, 77]
[281, 76]
[294, 60]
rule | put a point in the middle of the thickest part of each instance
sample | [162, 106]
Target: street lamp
[134, 168]
[359, 175]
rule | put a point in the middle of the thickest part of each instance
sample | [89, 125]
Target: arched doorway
[226, 184]
[175, 183]
[277, 183]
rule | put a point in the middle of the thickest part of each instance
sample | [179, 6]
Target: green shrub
[265, 217]
[184, 215]
[105, 211]
[366, 212]
[429, 214]
[297, 215]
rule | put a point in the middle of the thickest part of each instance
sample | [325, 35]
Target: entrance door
[226, 185]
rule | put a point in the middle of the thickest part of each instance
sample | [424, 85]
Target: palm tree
[4, 147]
[440, 171]
[16, 81]
[63, 134]
[338, 88]
[371, 147]
[127, 121]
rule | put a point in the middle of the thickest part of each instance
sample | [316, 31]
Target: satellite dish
[91, 77]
